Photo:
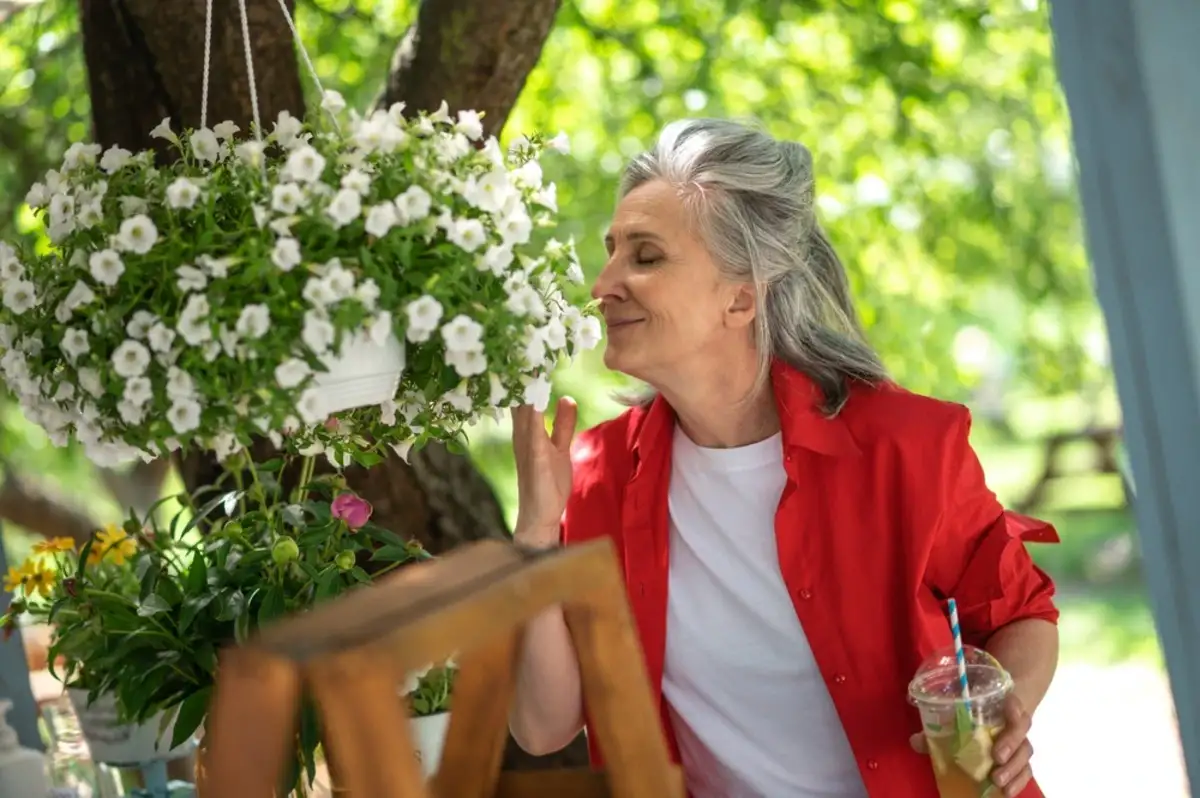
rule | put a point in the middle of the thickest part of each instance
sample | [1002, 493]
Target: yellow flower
[54, 546]
[39, 580]
[112, 544]
[16, 577]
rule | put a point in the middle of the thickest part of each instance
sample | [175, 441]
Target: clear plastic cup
[960, 733]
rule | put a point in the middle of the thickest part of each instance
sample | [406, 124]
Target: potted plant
[338, 287]
[427, 694]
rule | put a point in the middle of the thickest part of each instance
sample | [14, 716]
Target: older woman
[789, 521]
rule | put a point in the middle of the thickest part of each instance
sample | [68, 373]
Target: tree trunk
[144, 61]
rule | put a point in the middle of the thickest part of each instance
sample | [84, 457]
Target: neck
[723, 408]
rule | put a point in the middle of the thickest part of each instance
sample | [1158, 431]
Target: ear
[742, 307]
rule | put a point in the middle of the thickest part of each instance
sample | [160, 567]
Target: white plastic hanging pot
[361, 373]
[113, 743]
[429, 737]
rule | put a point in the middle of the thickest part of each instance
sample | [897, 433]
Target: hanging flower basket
[395, 269]
[113, 742]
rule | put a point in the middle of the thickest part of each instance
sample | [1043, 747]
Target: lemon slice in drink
[975, 754]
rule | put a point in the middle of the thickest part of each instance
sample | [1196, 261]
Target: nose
[610, 284]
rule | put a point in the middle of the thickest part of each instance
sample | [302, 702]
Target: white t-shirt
[750, 709]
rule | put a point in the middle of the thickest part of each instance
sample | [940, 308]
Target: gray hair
[751, 199]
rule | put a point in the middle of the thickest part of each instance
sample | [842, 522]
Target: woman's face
[667, 308]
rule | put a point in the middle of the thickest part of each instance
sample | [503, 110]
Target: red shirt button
[839, 679]
[806, 594]
[872, 764]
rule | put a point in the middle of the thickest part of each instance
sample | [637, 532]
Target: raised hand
[543, 470]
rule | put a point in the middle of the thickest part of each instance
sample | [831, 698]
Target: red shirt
[885, 515]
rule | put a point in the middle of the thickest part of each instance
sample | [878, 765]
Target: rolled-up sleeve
[978, 555]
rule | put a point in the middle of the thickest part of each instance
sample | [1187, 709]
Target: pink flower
[354, 510]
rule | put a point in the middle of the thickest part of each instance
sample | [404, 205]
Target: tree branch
[474, 54]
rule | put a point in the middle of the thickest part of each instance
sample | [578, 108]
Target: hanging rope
[207, 62]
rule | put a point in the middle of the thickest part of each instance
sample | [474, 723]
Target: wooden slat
[483, 693]
[250, 727]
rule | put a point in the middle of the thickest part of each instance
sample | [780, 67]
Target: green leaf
[197, 576]
[191, 607]
[191, 714]
[273, 606]
[391, 553]
[152, 605]
[366, 459]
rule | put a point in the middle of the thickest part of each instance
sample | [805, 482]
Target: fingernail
[1000, 779]
[1003, 753]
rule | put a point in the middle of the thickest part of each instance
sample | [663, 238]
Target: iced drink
[960, 732]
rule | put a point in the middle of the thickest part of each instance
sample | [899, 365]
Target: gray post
[14, 676]
[1131, 71]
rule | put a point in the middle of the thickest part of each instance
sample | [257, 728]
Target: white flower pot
[114, 743]
[361, 373]
[429, 737]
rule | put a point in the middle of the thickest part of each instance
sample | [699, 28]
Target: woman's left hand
[1011, 751]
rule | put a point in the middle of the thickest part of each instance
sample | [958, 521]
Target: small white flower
[413, 204]
[138, 391]
[555, 334]
[190, 279]
[217, 267]
[19, 296]
[254, 321]
[91, 213]
[193, 325]
[424, 314]
[468, 234]
[131, 413]
[79, 155]
[526, 301]
[182, 193]
[462, 334]
[345, 207]
[515, 227]
[225, 130]
[317, 292]
[106, 266]
[318, 333]
[587, 334]
[139, 324]
[249, 153]
[291, 372]
[115, 159]
[282, 226]
[497, 393]
[304, 165]
[309, 406]
[490, 193]
[575, 272]
[163, 131]
[340, 282]
[65, 392]
[470, 125]
[286, 254]
[205, 146]
[130, 359]
[497, 258]
[160, 337]
[332, 101]
[137, 234]
[537, 393]
[528, 175]
[37, 196]
[75, 343]
[132, 206]
[89, 380]
[467, 363]
[287, 128]
[357, 180]
[286, 198]
[180, 384]
[381, 328]
[560, 143]
[184, 415]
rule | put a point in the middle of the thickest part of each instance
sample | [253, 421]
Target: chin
[623, 361]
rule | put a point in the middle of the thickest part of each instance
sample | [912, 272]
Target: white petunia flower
[560, 143]
[62, 217]
[318, 293]
[163, 131]
[138, 391]
[309, 406]
[467, 363]
[341, 282]
[497, 393]
[205, 146]
[217, 267]
[528, 175]
[526, 301]
[37, 196]
[318, 333]
[462, 334]
[287, 128]
[91, 213]
[304, 165]
[254, 321]
[194, 325]
[381, 218]
[357, 180]
[79, 155]
[286, 198]
[225, 130]
[587, 335]
[515, 227]
[190, 278]
[332, 101]
[459, 399]
[489, 193]
[89, 380]
[130, 413]
[250, 153]
[367, 292]
[291, 372]
[160, 337]
[413, 204]
[381, 328]
[115, 159]
[184, 415]
[468, 234]
[424, 314]
[137, 234]
[19, 296]
[132, 206]
[180, 384]
[537, 393]
[182, 193]
[75, 343]
[65, 392]
[496, 260]
[344, 208]
[286, 254]
[106, 266]
[130, 359]
[470, 125]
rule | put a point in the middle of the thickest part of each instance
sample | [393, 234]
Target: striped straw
[959, 654]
